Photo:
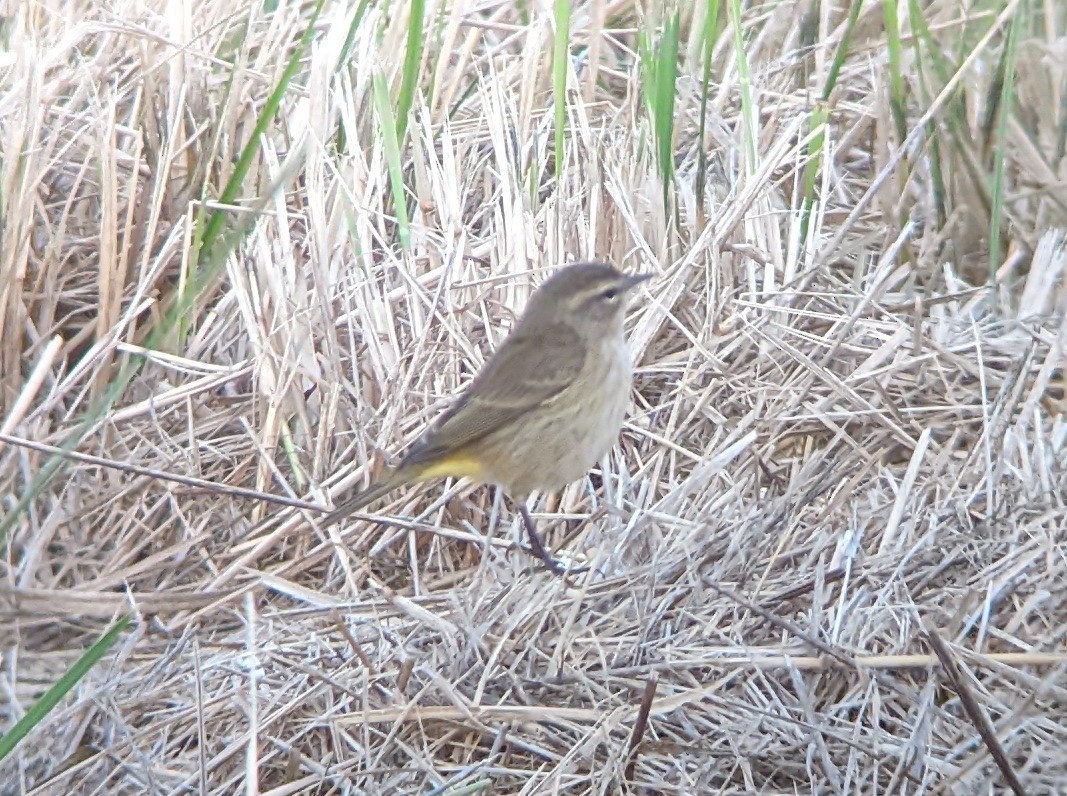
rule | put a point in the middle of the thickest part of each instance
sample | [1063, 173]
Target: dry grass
[837, 443]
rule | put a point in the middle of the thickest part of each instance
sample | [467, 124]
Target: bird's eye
[610, 294]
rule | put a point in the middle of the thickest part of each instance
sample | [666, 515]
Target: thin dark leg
[537, 546]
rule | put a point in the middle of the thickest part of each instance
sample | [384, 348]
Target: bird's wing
[548, 362]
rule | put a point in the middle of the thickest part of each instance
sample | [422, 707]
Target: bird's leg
[553, 565]
[536, 545]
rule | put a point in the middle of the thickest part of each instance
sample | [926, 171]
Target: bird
[545, 407]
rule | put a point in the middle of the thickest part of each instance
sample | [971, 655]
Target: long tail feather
[393, 480]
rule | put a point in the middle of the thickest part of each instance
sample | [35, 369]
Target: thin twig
[162, 475]
[788, 626]
[640, 724]
[974, 711]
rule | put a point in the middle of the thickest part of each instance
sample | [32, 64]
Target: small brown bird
[544, 409]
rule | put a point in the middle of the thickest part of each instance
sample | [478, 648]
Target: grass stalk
[63, 686]
[560, 68]
[1005, 79]
[709, 33]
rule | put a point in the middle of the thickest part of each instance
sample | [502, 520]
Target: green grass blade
[561, 52]
[842, 51]
[412, 61]
[749, 124]
[387, 127]
[346, 48]
[52, 466]
[894, 50]
[666, 60]
[232, 190]
[340, 138]
[48, 701]
[1006, 76]
[919, 42]
[658, 61]
[821, 113]
[708, 34]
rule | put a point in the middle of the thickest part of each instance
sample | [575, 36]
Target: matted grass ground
[845, 446]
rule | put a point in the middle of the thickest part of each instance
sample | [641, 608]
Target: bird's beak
[635, 280]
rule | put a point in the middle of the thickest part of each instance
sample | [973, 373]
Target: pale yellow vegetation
[837, 440]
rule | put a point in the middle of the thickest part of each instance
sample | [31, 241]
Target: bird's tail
[391, 481]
